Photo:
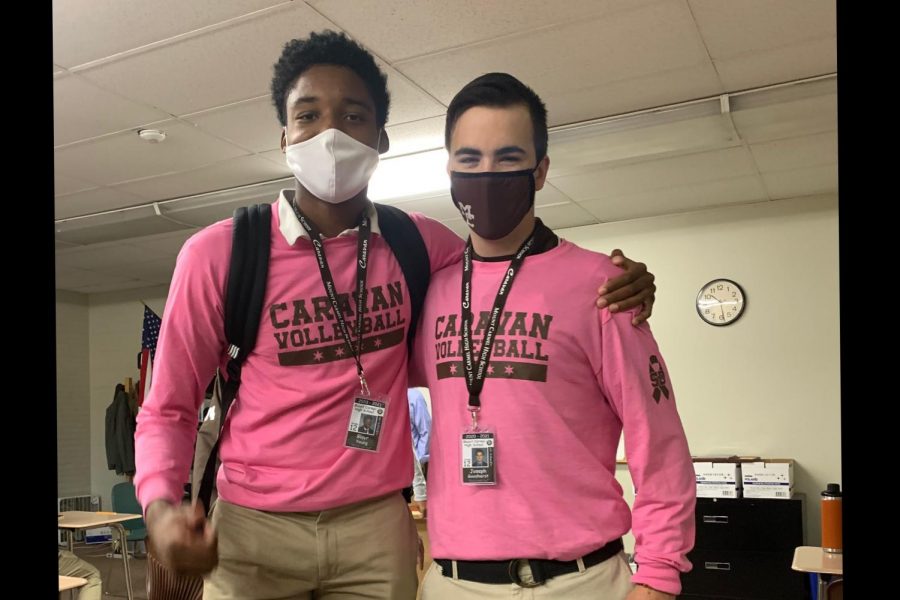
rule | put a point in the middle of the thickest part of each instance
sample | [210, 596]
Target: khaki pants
[609, 580]
[71, 565]
[364, 550]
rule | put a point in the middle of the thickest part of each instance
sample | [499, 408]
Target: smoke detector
[154, 136]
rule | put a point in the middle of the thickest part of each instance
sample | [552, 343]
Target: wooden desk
[812, 559]
[76, 519]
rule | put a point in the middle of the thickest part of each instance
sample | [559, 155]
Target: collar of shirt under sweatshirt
[291, 228]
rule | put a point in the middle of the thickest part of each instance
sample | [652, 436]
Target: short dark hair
[500, 90]
[328, 48]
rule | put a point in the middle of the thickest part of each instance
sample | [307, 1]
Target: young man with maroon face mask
[532, 386]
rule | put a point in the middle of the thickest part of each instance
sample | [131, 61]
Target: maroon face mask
[493, 203]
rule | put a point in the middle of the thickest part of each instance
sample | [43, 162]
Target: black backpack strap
[405, 240]
[244, 297]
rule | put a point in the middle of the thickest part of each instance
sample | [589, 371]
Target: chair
[124, 500]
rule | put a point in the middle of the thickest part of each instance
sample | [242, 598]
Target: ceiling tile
[166, 244]
[63, 184]
[808, 59]
[619, 97]
[416, 136]
[802, 182]
[91, 201]
[431, 25]
[796, 153]
[103, 256]
[155, 271]
[675, 199]
[82, 110]
[125, 157]
[71, 278]
[252, 125]
[625, 45]
[655, 174]
[103, 288]
[235, 172]
[549, 194]
[734, 28]
[219, 68]
[126, 25]
[276, 157]
[758, 121]
[560, 216]
[408, 101]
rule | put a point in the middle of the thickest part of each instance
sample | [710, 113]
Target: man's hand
[634, 287]
[182, 538]
[642, 592]
[421, 506]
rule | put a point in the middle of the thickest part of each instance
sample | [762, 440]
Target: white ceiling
[200, 71]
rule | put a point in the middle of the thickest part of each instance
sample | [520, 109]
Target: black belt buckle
[536, 573]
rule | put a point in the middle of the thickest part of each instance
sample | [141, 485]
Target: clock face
[720, 302]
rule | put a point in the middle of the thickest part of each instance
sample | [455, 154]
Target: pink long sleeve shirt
[283, 440]
[564, 380]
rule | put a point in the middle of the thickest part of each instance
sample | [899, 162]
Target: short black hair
[328, 48]
[500, 90]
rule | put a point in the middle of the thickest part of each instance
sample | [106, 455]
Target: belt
[506, 571]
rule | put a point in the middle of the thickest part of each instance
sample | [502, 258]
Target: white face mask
[333, 166]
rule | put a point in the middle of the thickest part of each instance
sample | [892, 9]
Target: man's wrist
[155, 509]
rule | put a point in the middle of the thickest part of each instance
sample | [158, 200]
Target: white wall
[116, 320]
[74, 426]
[769, 384]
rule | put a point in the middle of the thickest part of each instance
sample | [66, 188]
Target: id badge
[366, 421]
[479, 458]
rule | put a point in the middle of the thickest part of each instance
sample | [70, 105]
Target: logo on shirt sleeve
[658, 379]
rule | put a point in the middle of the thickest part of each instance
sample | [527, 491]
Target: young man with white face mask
[302, 512]
[532, 386]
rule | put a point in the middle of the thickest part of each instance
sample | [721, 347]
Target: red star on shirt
[453, 369]
[318, 355]
[339, 352]
[377, 342]
[508, 370]
[491, 370]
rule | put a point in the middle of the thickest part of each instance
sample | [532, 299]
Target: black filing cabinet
[744, 549]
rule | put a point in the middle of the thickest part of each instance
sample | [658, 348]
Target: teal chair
[124, 500]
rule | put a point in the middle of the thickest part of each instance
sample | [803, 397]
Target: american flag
[149, 337]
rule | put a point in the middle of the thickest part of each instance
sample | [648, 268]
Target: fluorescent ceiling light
[411, 176]
[652, 134]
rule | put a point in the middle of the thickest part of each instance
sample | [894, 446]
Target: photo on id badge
[478, 464]
[366, 418]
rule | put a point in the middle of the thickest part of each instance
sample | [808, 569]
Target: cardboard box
[768, 478]
[100, 535]
[718, 477]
